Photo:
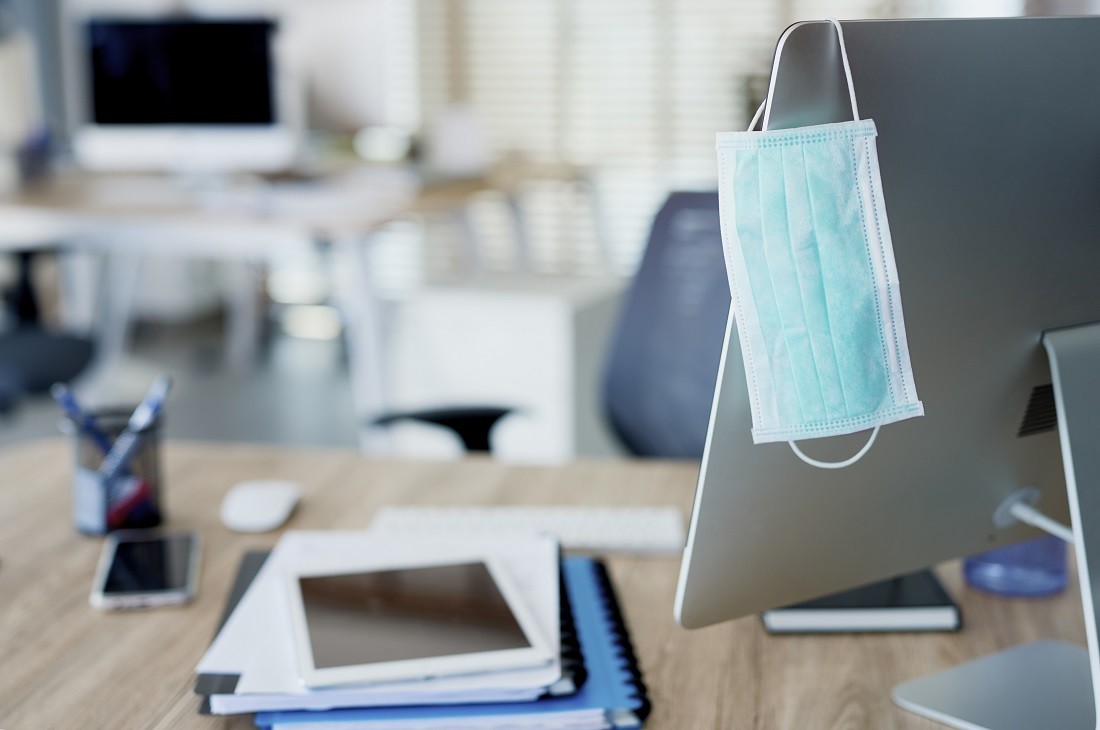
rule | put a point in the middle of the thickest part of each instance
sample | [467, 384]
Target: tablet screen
[412, 613]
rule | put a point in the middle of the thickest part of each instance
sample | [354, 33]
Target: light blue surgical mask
[814, 283]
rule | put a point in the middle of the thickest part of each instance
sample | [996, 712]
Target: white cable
[836, 464]
[1030, 516]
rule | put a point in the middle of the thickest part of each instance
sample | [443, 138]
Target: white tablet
[410, 622]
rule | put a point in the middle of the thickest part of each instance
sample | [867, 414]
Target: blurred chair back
[663, 364]
[31, 357]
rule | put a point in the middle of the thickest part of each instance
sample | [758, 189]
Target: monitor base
[1040, 684]
[1046, 683]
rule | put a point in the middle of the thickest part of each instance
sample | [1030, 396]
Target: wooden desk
[63, 664]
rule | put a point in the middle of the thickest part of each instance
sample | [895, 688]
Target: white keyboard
[648, 530]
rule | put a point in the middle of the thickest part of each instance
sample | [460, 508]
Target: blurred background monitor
[185, 94]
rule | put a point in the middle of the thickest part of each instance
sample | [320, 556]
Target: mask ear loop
[756, 117]
[766, 109]
[847, 67]
[775, 74]
[836, 464]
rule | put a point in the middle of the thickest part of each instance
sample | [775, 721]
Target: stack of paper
[593, 683]
[613, 695]
[256, 642]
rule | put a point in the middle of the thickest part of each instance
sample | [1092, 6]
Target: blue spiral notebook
[613, 696]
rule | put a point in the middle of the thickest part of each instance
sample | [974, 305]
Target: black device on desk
[912, 602]
[146, 568]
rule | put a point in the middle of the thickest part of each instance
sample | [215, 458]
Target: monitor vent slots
[1041, 415]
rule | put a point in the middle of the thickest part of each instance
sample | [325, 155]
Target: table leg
[524, 254]
[80, 272]
[242, 334]
[355, 296]
[121, 272]
[599, 224]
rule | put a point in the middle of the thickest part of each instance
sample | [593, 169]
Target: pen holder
[132, 499]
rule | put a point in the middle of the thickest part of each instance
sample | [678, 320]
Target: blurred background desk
[66, 664]
[124, 218]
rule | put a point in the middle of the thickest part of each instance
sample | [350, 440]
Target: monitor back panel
[989, 144]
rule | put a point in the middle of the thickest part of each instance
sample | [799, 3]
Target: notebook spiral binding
[572, 658]
[629, 661]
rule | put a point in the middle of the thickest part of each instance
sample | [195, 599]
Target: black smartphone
[147, 568]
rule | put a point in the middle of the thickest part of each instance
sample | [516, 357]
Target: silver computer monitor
[989, 144]
[153, 90]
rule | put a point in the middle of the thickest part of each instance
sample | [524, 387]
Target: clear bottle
[1028, 569]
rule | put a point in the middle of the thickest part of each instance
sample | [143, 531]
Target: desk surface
[149, 207]
[63, 664]
[348, 200]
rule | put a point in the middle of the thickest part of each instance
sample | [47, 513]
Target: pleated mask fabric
[815, 286]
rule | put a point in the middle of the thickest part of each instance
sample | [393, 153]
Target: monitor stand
[1045, 683]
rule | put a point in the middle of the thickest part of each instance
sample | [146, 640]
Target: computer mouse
[259, 505]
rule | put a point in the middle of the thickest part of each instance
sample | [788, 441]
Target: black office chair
[32, 358]
[472, 425]
[664, 356]
[663, 363]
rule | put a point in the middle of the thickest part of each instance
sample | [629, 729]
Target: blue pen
[142, 417]
[84, 421]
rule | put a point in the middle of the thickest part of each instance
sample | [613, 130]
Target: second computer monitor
[190, 94]
[989, 144]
